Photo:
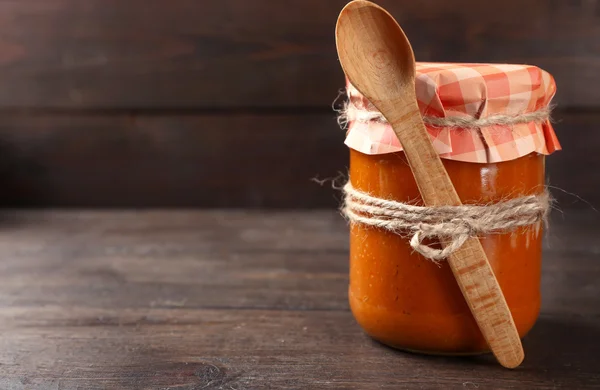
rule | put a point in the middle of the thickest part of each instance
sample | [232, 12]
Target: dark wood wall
[112, 103]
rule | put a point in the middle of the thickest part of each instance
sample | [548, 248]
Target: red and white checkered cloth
[469, 90]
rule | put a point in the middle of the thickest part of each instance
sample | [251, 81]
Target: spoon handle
[469, 264]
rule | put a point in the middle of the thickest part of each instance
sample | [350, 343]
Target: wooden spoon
[379, 61]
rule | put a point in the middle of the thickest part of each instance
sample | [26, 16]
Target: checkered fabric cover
[471, 90]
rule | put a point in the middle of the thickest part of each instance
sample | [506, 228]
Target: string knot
[451, 225]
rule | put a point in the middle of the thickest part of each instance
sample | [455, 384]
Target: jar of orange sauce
[401, 298]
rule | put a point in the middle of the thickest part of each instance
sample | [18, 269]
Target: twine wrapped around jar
[450, 224]
[469, 119]
[351, 113]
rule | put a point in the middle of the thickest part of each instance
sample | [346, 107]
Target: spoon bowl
[362, 34]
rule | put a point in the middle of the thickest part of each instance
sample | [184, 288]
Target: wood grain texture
[260, 53]
[571, 172]
[175, 259]
[170, 161]
[89, 160]
[284, 324]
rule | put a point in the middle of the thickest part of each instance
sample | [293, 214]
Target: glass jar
[397, 296]
[409, 302]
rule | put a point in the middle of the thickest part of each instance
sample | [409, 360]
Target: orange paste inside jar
[409, 302]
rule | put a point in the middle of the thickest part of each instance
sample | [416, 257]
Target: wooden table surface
[247, 300]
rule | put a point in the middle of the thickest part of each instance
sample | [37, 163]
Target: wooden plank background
[110, 103]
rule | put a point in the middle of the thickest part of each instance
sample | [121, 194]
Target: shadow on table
[565, 343]
[557, 352]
